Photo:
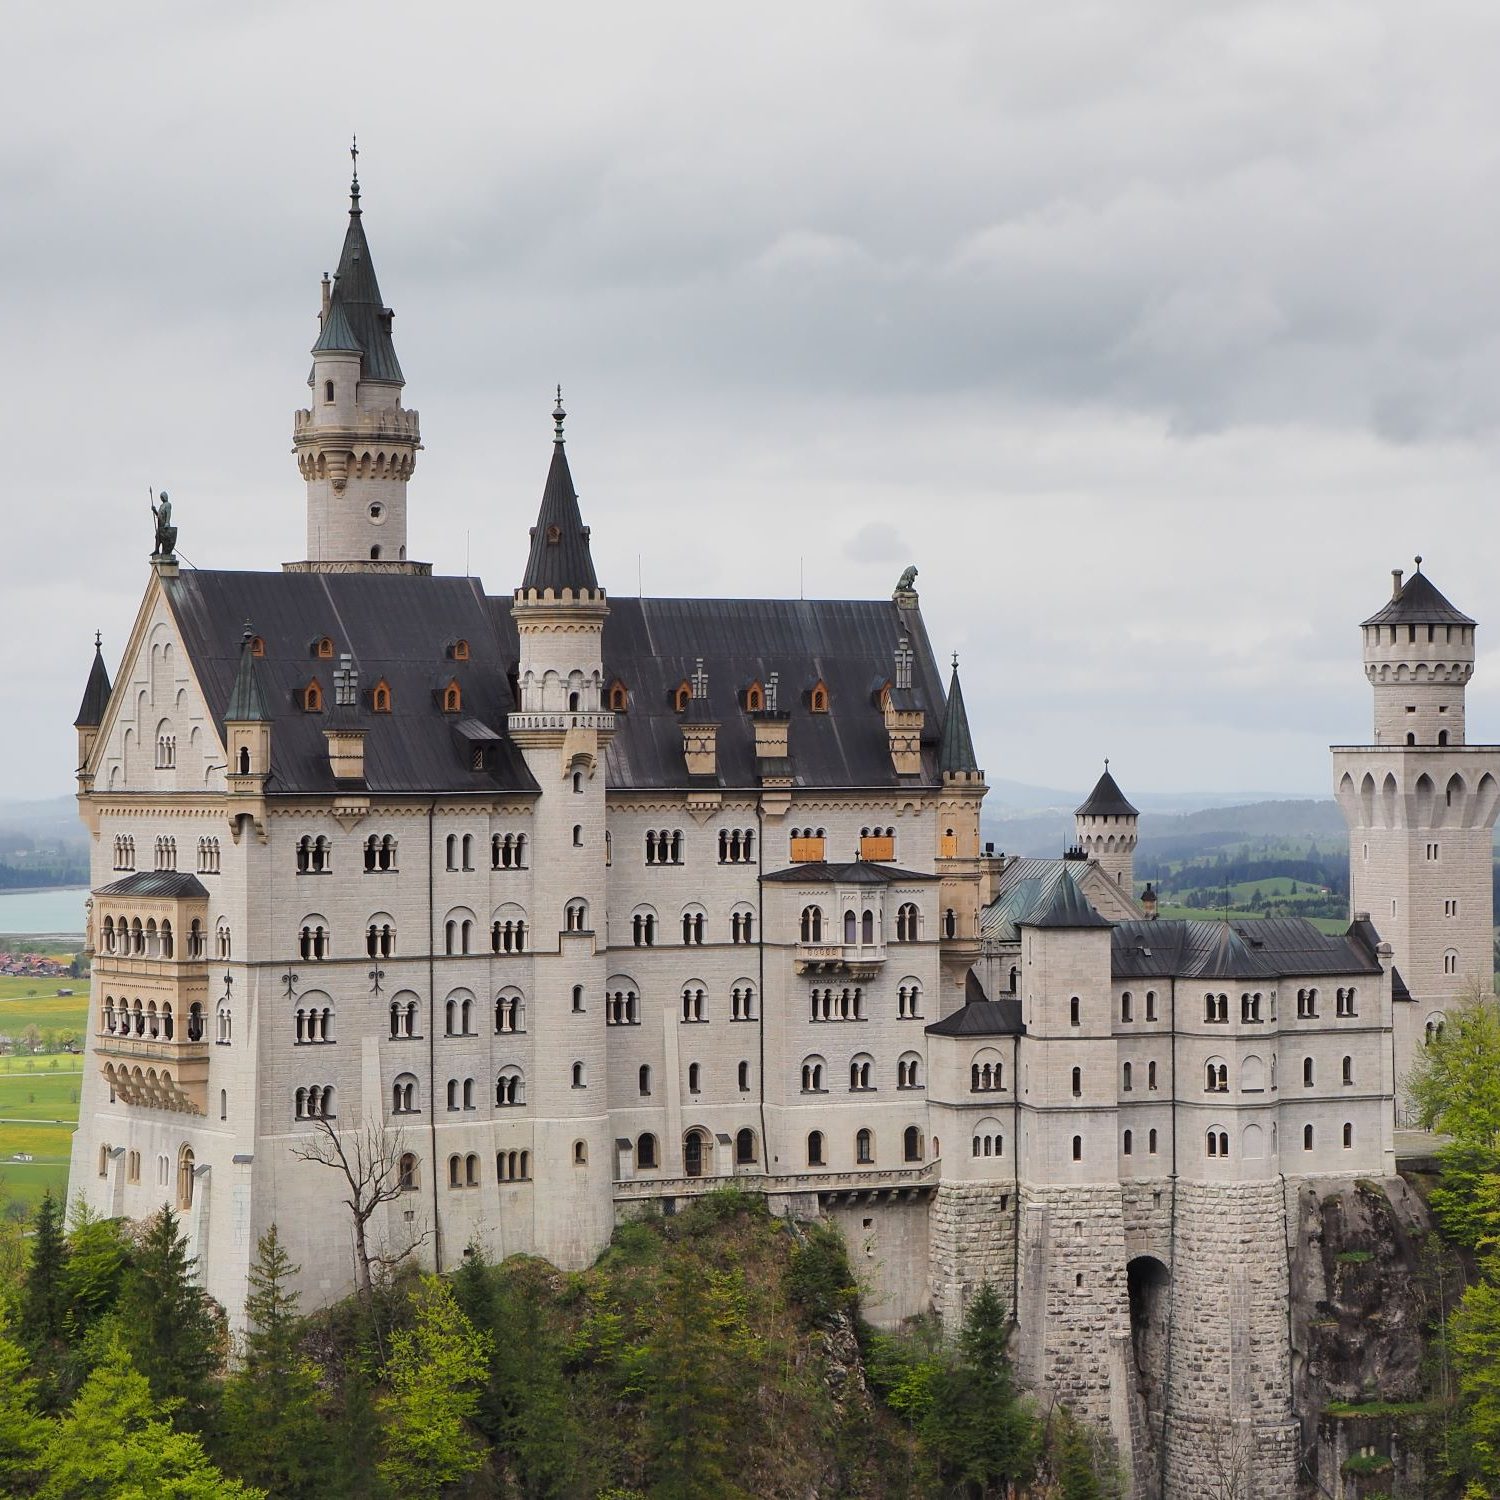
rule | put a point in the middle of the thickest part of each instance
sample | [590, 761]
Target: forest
[718, 1352]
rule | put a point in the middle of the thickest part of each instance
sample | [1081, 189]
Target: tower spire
[956, 753]
[560, 558]
[354, 182]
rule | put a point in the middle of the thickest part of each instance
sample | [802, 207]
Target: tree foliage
[44, 1295]
[1455, 1082]
[23, 1434]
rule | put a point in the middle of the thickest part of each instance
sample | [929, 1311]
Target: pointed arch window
[323, 648]
[312, 698]
[755, 698]
[453, 698]
[619, 697]
[682, 695]
[460, 651]
[817, 699]
[380, 697]
[257, 646]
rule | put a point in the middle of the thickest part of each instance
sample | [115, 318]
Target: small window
[460, 650]
[1077, 1148]
[312, 698]
[324, 648]
[453, 698]
[755, 698]
[818, 698]
[682, 695]
[580, 1153]
[619, 697]
[380, 698]
[1073, 1016]
[328, 393]
[815, 1148]
[257, 646]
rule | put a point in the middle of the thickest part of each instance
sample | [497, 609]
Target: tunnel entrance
[1149, 1284]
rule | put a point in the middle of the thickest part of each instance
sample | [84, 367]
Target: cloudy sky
[1154, 333]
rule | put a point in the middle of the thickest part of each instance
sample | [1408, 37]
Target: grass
[44, 1095]
[1344, 1257]
[23, 986]
[1367, 1463]
[1378, 1408]
[46, 1011]
[37, 1088]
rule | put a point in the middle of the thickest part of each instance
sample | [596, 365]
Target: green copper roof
[357, 300]
[247, 703]
[957, 750]
[1067, 908]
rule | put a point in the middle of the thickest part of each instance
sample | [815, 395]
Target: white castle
[595, 904]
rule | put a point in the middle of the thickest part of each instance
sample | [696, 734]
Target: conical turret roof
[560, 557]
[95, 694]
[956, 753]
[1068, 907]
[357, 315]
[1106, 800]
[247, 699]
[1419, 602]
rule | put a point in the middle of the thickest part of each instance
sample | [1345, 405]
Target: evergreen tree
[1077, 1475]
[43, 1296]
[435, 1370]
[170, 1328]
[93, 1270]
[272, 1430]
[114, 1441]
[23, 1434]
[983, 1437]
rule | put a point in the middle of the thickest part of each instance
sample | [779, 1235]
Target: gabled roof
[1106, 800]
[956, 753]
[1066, 907]
[95, 694]
[356, 301]
[176, 884]
[980, 1016]
[1418, 602]
[1260, 948]
[247, 702]
[560, 557]
[861, 872]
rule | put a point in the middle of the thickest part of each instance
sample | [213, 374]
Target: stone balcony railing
[530, 722]
[860, 959]
[139, 966]
[150, 1048]
[867, 1180]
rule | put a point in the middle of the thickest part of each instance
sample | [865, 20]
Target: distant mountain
[1019, 798]
[1181, 834]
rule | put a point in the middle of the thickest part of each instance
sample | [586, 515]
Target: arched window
[1077, 1148]
[907, 922]
[1348, 1070]
[815, 1148]
[812, 924]
[1307, 1072]
[867, 928]
[755, 698]
[911, 1143]
[185, 1179]
[1216, 1079]
[576, 915]
[742, 1074]
[864, 1148]
[619, 697]
[860, 1072]
[682, 695]
[1127, 1143]
[644, 1080]
[812, 1075]
[1307, 1137]
[1125, 1080]
[694, 1007]
[1077, 1083]
[406, 1176]
[510, 1087]
[578, 1076]
[404, 1095]
[950, 923]
[580, 1153]
[1074, 1018]
[328, 392]
[695, 1076]
[1348, 1136]
[453, 698]
[380, 697]
[851, 928]
[909, 1071]
[745, 1153]
[312, 697]
[645, 1152]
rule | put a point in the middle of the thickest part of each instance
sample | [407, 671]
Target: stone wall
[973, 1241]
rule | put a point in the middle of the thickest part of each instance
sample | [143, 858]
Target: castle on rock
[564, 907]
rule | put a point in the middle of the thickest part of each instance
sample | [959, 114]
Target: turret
[1419, 656]
[1105, 830]
[247, 724]
[958, 860]
[91, 710]
[356, 444]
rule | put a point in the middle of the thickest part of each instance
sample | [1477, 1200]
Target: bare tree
[369, 1157]
[1232, 1453]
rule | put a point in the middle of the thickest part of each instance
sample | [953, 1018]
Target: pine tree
[115, 1441]
[23, 1434]
[43, 1295]
[272, 1430]
[169, 1326]
[434, 1373]
[93, 1270]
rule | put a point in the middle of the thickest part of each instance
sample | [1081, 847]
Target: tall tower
[561, 728]
[356, 444]
[958, 861]
[1420, 803]
[1105, 829]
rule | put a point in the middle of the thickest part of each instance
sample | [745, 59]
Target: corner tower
[356, 444]
[958, 858]
[1420, 803]
[1105, 829]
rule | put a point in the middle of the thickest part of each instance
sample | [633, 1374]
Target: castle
[568, 907]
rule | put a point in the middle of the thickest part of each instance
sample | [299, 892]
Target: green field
[46, 1010]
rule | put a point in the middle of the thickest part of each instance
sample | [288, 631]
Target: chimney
[700, 731]
[327, 300]
[343, 731]
[1148, 901]
[1396, 574]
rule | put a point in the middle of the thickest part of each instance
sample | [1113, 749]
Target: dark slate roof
[1264, 948]
[95, 694]
[652, 646]
[1025, 885]
[1066, 907]
[861, 872]
[560, 557]
[1106, 800]
[159, 883]
[336, 334]
[1419, 603]
[395, 626]
[357, 301]
[956, 752]
[1399, 990]
[981, 1018]
[247, 700]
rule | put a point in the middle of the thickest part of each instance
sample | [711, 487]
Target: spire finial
[354, 184]
[955, 661]
[1106, 763]
[1419, 562]
[558, 417]
[98, 639]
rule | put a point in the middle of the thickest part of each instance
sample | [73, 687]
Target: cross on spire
[354, 183]
[558, 417]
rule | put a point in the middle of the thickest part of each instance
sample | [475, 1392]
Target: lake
[59, 910]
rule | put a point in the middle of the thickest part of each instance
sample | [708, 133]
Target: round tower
[1419, 657]
[356, 444]
[1105, 829]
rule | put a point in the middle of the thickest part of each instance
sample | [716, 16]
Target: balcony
[153, 1073]
[524, 723]
[858, 960]
[850, 1186]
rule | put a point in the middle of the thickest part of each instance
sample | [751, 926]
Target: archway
[1149, 1283]
[697, 1149]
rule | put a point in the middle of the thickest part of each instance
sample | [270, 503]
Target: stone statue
[905, 585]
[166, 532]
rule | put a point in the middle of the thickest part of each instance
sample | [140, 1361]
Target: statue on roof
[166, 532]
[907, 583]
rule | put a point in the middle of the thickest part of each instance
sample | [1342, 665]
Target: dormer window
[755, 698]
[554, 534]
[883, 697]
[328, 392]
[380, 697]
[682, 696]
[619, 697]
[459, 651]
[257, 646]
[312, 698]
[453, 699]
[818, 699]
[323, 647]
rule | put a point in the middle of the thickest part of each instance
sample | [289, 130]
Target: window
[313, 939]
[1250, 1007]
[742, 1074]
[988, 1140]
[1348, 1136]
[1344, 999]
[643, 927]
[185, 1178]
[812, 1075]
[812, 924]
[508, 851]
[742, 925]
[860, 1070]
[1216, 1008]
[817, 699]
[578, 1076]
[693, 1003]
[844, 1004]
[742, 1002]
[380, 697]
[909, 1000]
[1450, 965]
[909, 1071]
[807, 845]
[745, 1153]
[619, 697]
[577, 999]
[1126, 1007]
[695, 1076]
[453, 698]
[645, 1152]
[693, 920]
[1150, 1005]
[1127, 1142]
[736, 846]
[312, 698]
[508, 931]
[1151, 1142]
[621, 1006]
[406, 1173]
[1307, 1005]
[644, 1081]
[328, 392]
[1077, 1148]
[1125, 1081]
[1217, 1077]
[815, 1148]
[682, 695]
[1348, 1070]
[911, 1143]
[950, 923]
[907, 923]
[664, 846]
[1307, 1137]
[576, 917]
[1077, 1083]
[1218, 1143]
[986, 1072]
[864, 1148]
[404, 1095]
[755, 698]
[1073, 1016]
[510, 1087]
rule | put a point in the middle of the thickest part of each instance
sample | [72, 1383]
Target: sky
[1154, 334]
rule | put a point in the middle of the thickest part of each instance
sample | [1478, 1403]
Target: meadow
[39, 1095]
